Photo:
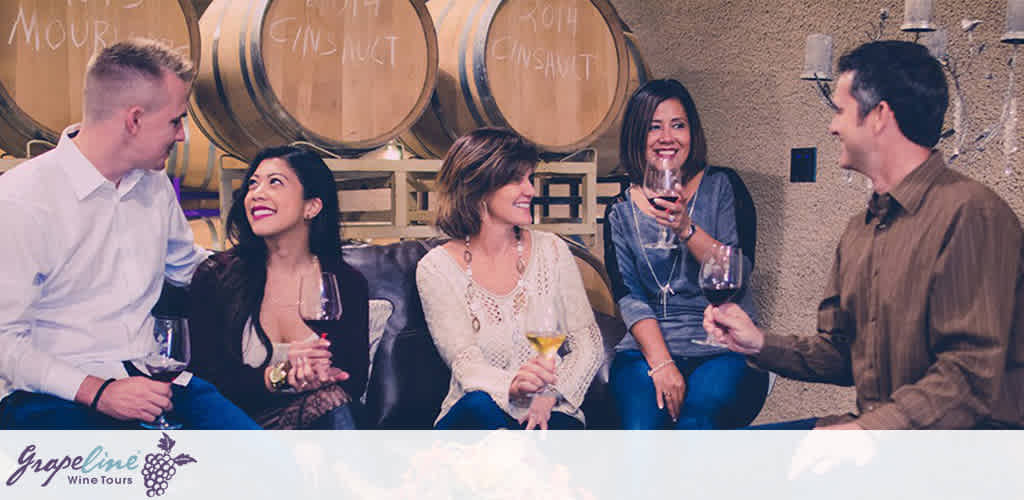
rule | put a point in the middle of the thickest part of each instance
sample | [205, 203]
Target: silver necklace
[467, 256]
[664, 290]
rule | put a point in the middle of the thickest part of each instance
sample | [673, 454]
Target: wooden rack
[411, 181]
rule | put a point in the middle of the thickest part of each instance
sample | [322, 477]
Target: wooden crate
[411, 182]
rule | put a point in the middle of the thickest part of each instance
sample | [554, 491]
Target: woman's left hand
[539, 413]
[673, 215]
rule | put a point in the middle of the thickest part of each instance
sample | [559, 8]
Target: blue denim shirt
[635, 288]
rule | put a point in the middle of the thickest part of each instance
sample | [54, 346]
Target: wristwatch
[279, 375]
[689, 233]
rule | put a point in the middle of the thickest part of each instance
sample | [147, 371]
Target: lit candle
[917, 16]
[817, 57]
[1014, 22]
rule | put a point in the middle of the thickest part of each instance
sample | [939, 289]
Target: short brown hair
[125, 73]
[476, 165]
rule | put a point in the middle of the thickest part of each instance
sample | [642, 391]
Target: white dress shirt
[82, 263]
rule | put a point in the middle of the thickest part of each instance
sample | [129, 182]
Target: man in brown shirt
[919, 311]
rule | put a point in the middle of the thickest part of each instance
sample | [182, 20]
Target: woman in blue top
[660, 378]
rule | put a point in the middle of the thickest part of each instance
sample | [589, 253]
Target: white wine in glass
[544, 326]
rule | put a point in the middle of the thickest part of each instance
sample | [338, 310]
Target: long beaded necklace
[664, 290]
[467, 256]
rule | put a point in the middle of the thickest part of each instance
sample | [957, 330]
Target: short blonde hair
[125, 73]
[477, 165]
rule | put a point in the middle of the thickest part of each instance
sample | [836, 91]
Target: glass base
[661, 245]
[161, 424]
[710, 342]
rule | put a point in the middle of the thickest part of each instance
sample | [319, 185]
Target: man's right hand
[135, 398]
[731, 326]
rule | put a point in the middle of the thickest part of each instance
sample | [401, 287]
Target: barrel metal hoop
[467, 94]
[483, 85]
[265, 99]
[219, 82]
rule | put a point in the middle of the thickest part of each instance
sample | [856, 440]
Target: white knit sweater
[488, 360]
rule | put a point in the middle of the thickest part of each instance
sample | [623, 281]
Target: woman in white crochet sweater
[475, 289]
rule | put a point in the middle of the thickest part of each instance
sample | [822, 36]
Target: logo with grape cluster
[160, 467]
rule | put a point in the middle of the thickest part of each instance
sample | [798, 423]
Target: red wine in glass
[319, 301]
[318, 325]
[721, 277]
[171, 356]
[660, 181]
[670, 199]
[163, 368]
[719, 296]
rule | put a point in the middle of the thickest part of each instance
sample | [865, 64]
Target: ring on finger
[671, 218]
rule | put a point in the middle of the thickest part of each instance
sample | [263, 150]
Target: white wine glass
[721, 278]
[660, 179]
[172, 355]
[544, 326]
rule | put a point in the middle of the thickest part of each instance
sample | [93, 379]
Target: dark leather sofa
[409, 379]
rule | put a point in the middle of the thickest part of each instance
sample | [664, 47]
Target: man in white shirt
[92, 230]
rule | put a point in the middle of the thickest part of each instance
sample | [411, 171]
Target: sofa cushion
[409, 379]
[380, 313]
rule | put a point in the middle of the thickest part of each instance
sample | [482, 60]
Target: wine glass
[721, 277]
[660, 180]
[172, 355]
[319, 300]
[544, 326]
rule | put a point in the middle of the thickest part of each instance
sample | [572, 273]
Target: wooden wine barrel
[49, 44]
[196, 161]
[556, 71]
[341, 74]
[607, 145]
[595, 278]
[207, 232]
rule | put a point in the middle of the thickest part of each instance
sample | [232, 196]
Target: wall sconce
[818, 65]
[917, 19]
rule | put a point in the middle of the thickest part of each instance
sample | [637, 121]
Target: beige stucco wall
[741, 59]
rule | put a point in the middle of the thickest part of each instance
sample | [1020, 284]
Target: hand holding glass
[172, 355]
[660, 180]
[721, 277]
[544, 326]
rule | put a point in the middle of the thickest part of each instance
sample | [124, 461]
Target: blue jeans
[196, 406]
[340, 418]
[477, 411]
[722, 392]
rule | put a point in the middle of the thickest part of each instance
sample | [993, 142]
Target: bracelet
[99, 392]
[650, 373]
[689, 234]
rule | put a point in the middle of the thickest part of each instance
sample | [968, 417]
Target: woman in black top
[248, 337]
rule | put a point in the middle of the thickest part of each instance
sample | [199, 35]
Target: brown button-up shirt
[919, 311]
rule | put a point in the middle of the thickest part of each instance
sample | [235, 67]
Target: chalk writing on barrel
[90, 32]
[305, 40]
[575, 66]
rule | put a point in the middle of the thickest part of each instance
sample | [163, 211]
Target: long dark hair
[636, 123]
[317, 182]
